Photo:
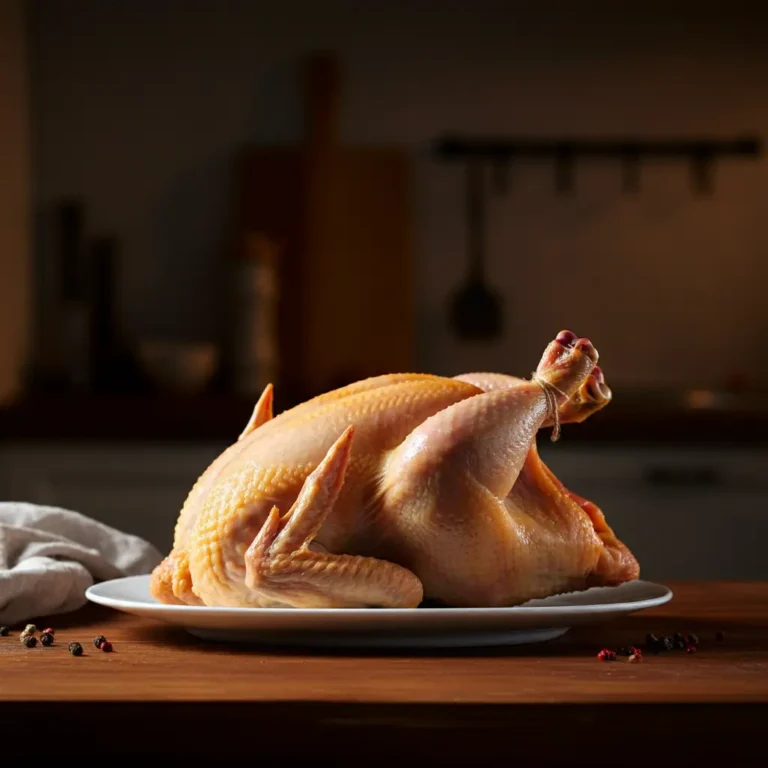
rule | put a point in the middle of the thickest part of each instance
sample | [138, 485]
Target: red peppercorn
[690, 648]
[106, 646]
[720, 636]
[635, 657]
[49, 631]
[607, 655]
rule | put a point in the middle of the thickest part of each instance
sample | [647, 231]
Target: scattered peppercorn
[652, 643]
[607, 655]
[98, 640]
[693, 640]
[668, 643]
[49, 631]
[635, 657]
[720, 636]
[106, 646]
[76, 649]
[690, 648]
[30, 641]
[4, 631]
[30, 629]
[46, 638]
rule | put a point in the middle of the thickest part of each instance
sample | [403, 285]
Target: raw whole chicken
[399, 489]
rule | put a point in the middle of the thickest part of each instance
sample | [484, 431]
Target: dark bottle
[103, 321]
[112, 364]
[74, 330]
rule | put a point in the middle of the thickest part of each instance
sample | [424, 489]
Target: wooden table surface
[552, 701]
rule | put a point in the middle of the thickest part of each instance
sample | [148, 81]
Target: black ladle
[476, 309]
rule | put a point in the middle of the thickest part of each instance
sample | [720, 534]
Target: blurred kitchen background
[197, 198]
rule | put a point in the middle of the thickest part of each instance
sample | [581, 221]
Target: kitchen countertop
[545, 702]
[220, 418]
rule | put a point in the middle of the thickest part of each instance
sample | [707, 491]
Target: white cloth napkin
[50, 556]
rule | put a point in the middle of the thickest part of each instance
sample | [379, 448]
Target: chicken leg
[593, 395]
[450, 480]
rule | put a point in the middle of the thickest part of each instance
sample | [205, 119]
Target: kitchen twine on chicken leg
[550, 392]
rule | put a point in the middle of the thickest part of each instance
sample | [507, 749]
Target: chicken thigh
[397, 489]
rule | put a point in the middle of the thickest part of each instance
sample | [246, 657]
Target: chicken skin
[399, 489]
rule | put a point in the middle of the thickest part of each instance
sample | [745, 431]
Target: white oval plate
[535, 621]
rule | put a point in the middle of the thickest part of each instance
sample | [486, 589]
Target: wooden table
[550, 702]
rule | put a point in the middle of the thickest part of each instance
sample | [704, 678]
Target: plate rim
[92, 594]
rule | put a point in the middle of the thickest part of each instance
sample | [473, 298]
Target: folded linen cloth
[49, 556]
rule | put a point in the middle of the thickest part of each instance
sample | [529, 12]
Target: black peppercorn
[651, 639]
[46, 638]
[693, 640]
[4, 631]
[30, 641]
[98, 640]
[76, 649]
[653, 644]
[668, 643]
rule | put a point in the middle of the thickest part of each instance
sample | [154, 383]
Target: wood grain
[342, 214]
[176, 678]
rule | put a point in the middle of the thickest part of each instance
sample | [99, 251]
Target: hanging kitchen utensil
[476, 309]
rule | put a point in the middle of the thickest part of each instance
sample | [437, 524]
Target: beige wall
[14, 197]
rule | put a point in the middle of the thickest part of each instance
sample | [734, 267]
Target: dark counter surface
[164, 694]
[630, 418]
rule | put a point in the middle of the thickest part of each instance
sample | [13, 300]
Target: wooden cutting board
[342, 216]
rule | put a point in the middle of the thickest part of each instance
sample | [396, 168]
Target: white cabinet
[685, 513]
[134, 488]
